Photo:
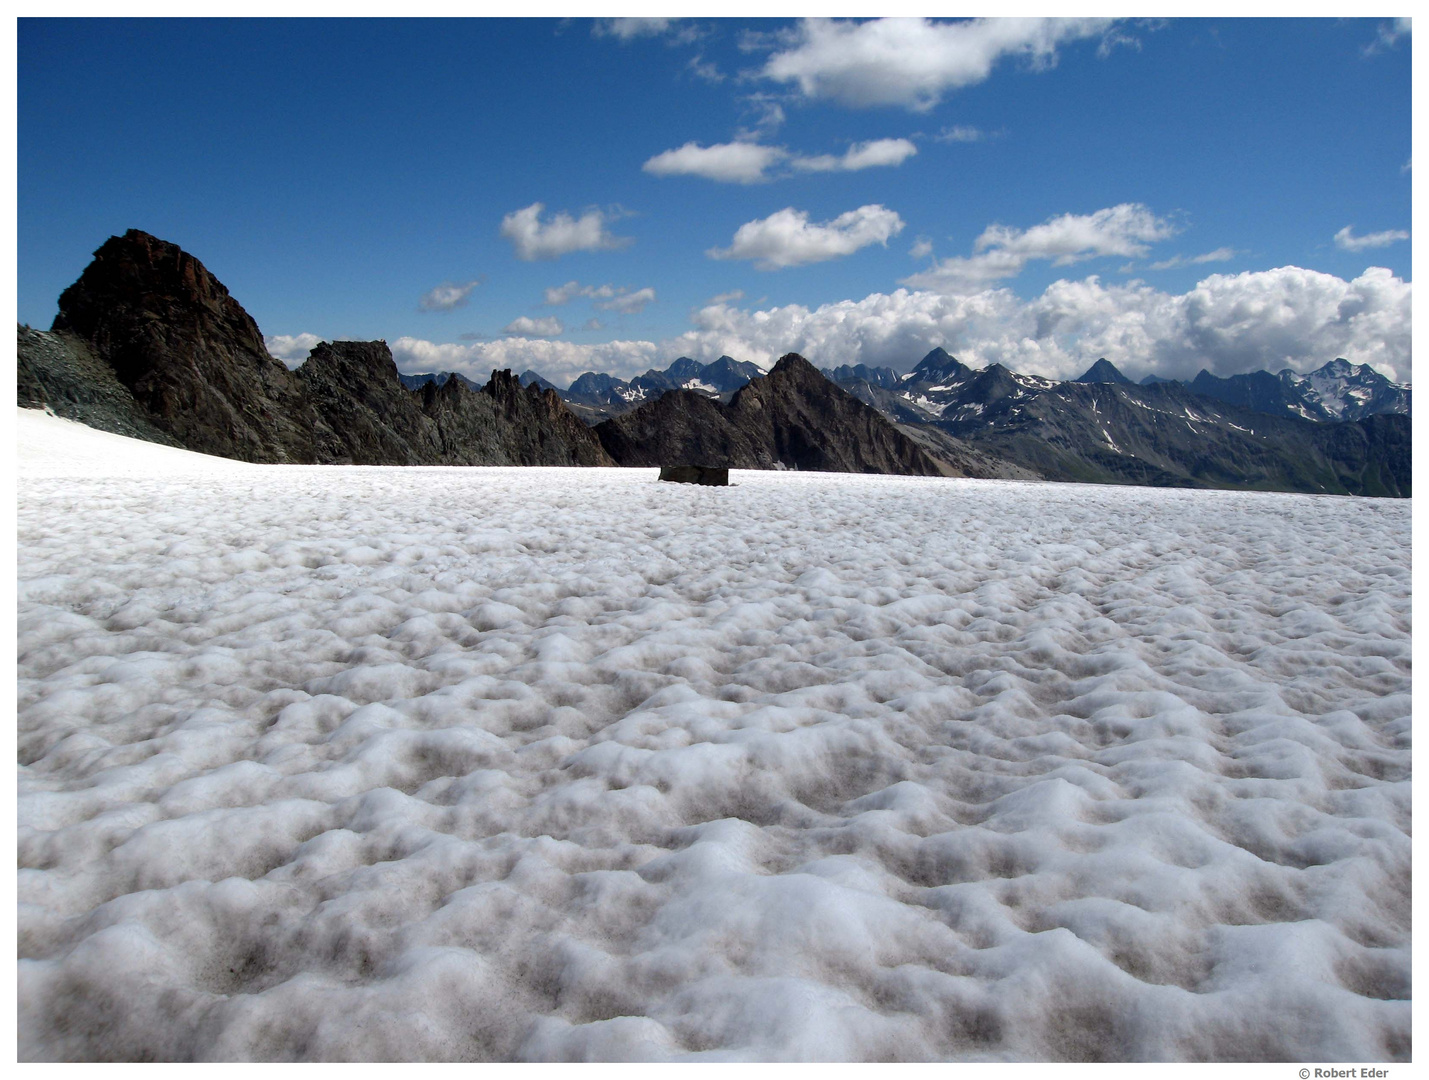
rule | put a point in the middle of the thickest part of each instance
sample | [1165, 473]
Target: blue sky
[572, 194]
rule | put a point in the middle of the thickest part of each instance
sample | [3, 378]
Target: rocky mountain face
[60, 372]
[189, 354]
[596, 396]
[1338, 391]
[1103, 371]
[792, 418]
[1102, 428]
[151, 344]
[416, 382]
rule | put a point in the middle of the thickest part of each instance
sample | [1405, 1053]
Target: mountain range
[148, 343]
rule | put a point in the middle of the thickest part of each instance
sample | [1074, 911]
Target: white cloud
[786, 238]
[922, 248]
[914, 62]
[629, 303]
[864, 155]
[620, 300]
[447, 296]
[563, 234]
[726, 297]
[705, 70]
[1002, 251]
[631, 28]
[292, 349]
[1228, 323]
[549, 326]
[731, 163]
[745, 161]
[1118, 230]
[1346, 239]
[960, 133]
[1221, 254]
[1389, 35]
[559, 361]
[564, 294]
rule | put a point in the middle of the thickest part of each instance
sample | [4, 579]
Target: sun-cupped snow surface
[544, 764]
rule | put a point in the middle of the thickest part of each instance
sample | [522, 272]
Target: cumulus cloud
[864, 155]
[787, 238]
[1227, 323]
[447, 296]
[534, 239]
[914, 62]
[1221, 254]
[559, 361]
[922, 248]
[292, 349]
[749, 162]
[1003, 251]
[731, 163]
[549, 326]
[629, 303]
[1347, 240]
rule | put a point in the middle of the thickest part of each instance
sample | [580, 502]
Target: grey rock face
[792, 417]
[60, 372]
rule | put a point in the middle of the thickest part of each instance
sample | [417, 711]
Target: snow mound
[553, 764]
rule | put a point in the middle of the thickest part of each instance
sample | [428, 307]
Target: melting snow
[364, 763]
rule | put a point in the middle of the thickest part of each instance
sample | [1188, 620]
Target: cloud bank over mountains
[1227, 323]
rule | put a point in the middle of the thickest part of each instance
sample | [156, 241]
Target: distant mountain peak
[1103, 371]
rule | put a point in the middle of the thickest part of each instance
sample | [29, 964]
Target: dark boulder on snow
[708, 475]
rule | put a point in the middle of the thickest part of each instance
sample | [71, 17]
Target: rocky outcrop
[148, 343]
[189, 354]
[369, 417]
[59, 372]
[793, 417]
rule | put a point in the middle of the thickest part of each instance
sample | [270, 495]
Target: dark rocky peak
[885, 377]
[939, 366]
[528, 377]
[993, 383]
[136, 281]
[193, 359]
[727, 373]
[357, 363]
[1103, 371]
[592, 383]
[683, 370]
[1155, 380]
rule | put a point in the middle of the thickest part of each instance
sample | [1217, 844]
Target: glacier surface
[558, 764]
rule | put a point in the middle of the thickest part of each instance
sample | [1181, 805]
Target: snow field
[546, 764]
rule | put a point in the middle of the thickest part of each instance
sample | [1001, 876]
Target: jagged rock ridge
[793, 417]
[152, 336]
